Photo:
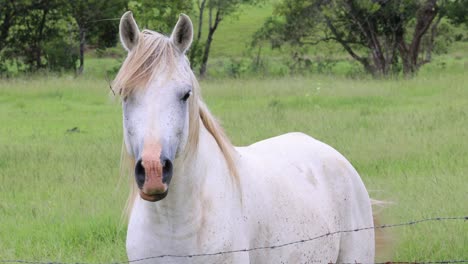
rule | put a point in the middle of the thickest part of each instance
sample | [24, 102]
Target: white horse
[225, 198]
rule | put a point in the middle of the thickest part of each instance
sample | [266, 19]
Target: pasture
[61, 196]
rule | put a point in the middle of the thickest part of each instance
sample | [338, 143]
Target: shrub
[61, 55]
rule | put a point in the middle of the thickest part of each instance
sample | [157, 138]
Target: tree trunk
[409, 54]
[194, 50]
[206, 52]
[257, 58]
[82, 46]
[380, 64]
[368, 29]
[430, 45]
[38, 51]
[201, 8]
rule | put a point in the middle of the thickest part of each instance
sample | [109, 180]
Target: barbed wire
[105, 19]
[388, 262]
[272, 247]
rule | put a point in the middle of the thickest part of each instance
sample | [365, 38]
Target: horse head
[156, 85]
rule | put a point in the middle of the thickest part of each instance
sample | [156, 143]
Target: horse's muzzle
[153, 178]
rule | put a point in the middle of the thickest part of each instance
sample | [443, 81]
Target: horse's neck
[187, 191]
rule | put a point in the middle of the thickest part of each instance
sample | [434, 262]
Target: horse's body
[292, 188]
[284, 189]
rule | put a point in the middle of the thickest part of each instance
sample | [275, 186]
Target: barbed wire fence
[276, 246]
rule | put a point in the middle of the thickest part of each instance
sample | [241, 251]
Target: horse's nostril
[167, 170]
[140, 174]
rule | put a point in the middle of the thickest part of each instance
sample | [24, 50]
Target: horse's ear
[182, 34]
[129, 31]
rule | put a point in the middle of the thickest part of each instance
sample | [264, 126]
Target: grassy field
[61, 196]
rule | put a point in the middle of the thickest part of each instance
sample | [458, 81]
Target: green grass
[61, 196]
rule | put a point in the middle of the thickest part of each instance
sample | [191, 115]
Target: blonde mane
[156, 55]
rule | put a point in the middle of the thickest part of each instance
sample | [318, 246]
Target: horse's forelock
[154, 55]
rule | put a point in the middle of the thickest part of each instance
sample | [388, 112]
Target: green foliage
[456, 11]
[271, 30]
[231, 43]
[39, 34]
[61, 55]
[160, 16]
[445, 37]
[34, 24]
[97, 19]
[377, 34]
[195, 53]
[227, 7]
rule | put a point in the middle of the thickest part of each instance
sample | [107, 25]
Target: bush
[61, 55]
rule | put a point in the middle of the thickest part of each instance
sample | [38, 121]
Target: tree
[379, 34]
[90, 16]
[30, 28]
[217, 11]
[38, 34]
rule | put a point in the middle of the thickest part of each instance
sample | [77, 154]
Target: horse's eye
[186, 96]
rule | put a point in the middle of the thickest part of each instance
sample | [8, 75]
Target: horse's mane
[155, 55]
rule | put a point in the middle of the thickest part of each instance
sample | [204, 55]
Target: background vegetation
[381, 38]
[61, 196]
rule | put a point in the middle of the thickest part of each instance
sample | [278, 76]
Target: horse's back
[295, 188]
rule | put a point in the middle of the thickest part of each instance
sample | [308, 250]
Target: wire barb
[409, 223]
